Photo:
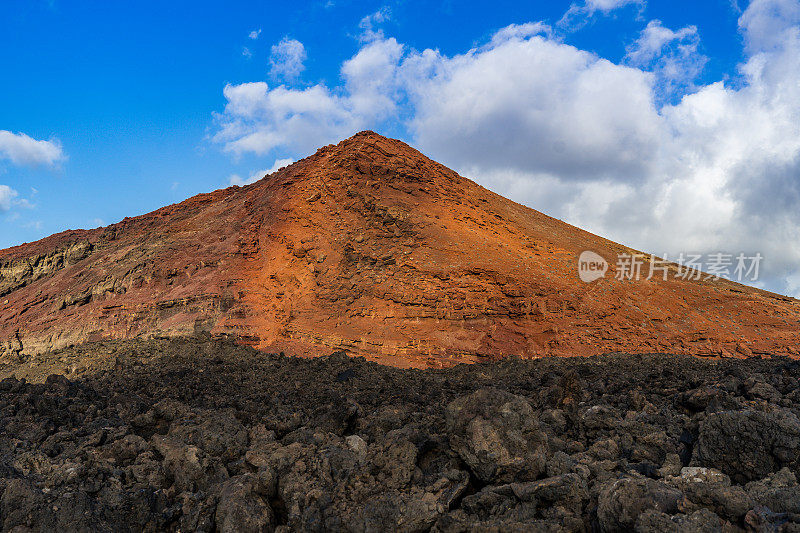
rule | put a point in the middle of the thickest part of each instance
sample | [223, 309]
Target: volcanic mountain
[370, 247]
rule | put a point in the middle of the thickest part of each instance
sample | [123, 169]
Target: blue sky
[667, 125]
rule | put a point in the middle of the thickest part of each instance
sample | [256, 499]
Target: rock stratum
[370, 247]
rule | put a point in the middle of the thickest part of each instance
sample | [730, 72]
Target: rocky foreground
[194, 435]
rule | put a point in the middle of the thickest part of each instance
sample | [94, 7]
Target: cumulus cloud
[21, 149]
[286, 59]
[559, 114]
[727, 174]
[714, 169]
[371, 80]
[767, 24]
[259, 118]
[256, 175]
[7, 196]
[255, 34]
[672, 55]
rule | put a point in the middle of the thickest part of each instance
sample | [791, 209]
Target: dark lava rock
[749, 445]
[241, 508]
[702, 521]
[201, 435]
[778, 492]
[709, 488]
[621, 502]
[496, 433]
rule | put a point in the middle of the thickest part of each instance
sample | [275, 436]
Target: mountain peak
[368, 156]
[369, 138]
[365, 140]
[371, 247]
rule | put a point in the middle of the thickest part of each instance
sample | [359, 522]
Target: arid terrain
[370, 247]
[228, 363]
[192, 434]
[566, 298]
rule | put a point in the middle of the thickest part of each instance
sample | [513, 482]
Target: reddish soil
[370, 247]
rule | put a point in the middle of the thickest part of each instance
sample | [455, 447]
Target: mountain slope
[370, 247]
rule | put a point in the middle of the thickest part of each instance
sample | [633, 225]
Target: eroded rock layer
[370, 247]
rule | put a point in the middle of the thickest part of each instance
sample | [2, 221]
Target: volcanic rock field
[194, 434]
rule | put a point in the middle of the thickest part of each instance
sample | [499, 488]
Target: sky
[671, 126]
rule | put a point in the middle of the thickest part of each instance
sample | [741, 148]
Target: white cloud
[767, 24]
[286, 59]
[793, 284]
[370, 80]
[259, 119]
[577, 14]
[608, 5]
[521, 31]
[480, 99]
[255, 34]
[672, 55]
[246, 52]
[256, 175]
[654, 38]
[369, 25]
[7, 196]
[21, 149]
[580, 137]
[558, 114]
